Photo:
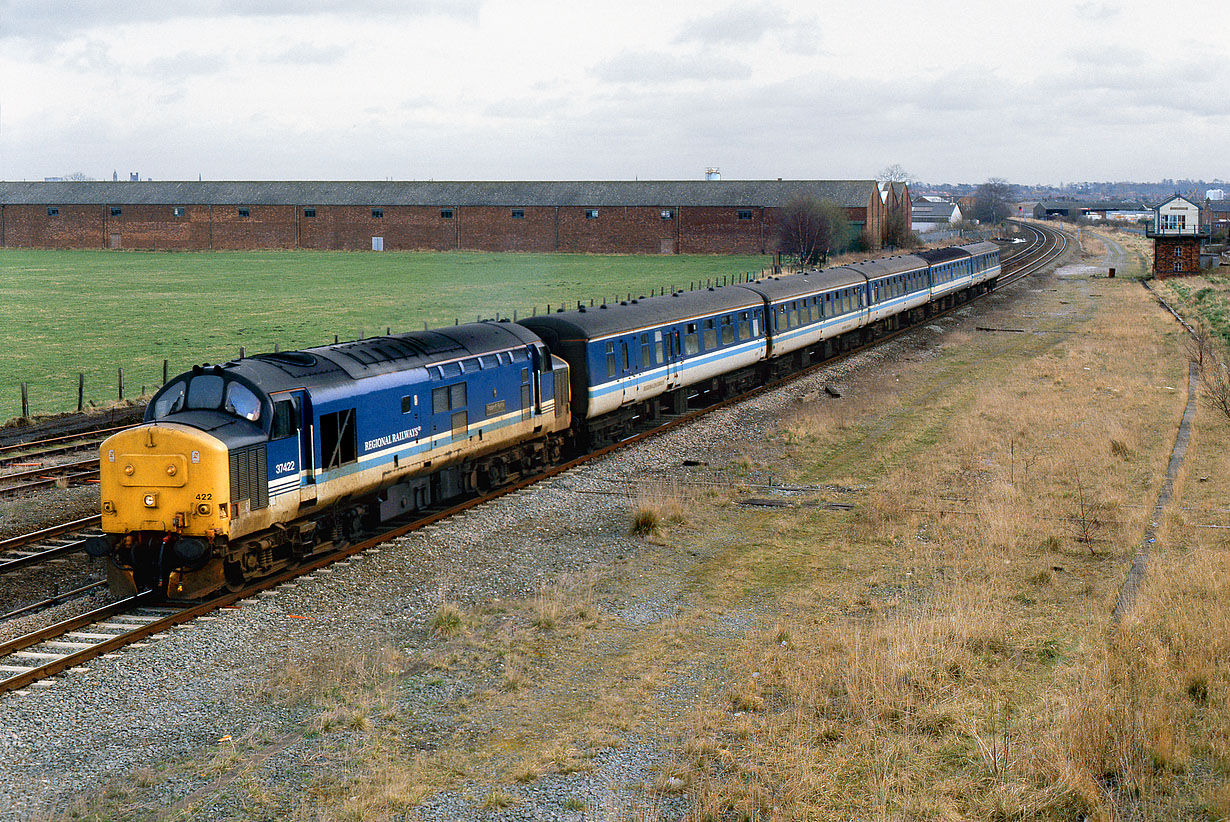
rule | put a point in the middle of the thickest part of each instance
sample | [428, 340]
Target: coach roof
[620, 318]
[766, 193]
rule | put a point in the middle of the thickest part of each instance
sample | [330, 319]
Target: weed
[448, 621]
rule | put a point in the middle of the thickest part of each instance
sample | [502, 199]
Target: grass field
[96, 311]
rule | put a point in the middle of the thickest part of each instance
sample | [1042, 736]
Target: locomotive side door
[290, 445]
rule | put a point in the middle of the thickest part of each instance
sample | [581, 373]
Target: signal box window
[338, 441]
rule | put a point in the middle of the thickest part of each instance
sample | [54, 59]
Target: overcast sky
[954, 91]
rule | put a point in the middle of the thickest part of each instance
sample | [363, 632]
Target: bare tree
[895, 174]
[810, 229]
[77, 177]
[992, 201]
[1215, 380]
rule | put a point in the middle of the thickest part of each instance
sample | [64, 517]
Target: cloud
[738, 25]
[53, 20]
[661, 68]
[306, 54]
[1097, 10]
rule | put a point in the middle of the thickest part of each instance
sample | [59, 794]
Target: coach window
[624, 350]
[756, 326]
[610, 358]
[744, 332]
[710, 335]
[285, 419]
[646, 352]
[657, 347]
[728, 331]
[691, 345]
[439, 400]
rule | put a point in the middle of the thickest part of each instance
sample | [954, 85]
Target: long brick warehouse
[628, 217]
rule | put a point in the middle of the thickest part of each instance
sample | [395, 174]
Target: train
[249, 467]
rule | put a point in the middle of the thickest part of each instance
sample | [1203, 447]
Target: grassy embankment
[943, 651]
[96, 311]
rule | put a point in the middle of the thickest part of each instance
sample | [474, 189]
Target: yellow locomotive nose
[164, 477]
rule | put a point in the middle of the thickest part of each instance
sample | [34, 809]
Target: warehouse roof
[772, 193]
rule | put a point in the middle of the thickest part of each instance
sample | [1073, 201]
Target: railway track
[71, 643]
[40, 546]
[26, 479]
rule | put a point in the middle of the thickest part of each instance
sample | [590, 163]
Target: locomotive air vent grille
[250, 477]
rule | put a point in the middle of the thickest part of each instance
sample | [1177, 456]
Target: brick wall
[614, 229]
[1175, 257]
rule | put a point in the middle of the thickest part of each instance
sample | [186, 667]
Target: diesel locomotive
[248, 467]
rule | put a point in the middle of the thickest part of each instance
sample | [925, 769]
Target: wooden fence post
[164, 372]
[121, 383]
[80, 392]
[25, 400]
[243, 352]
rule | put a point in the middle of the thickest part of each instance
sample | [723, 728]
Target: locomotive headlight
[151, 500]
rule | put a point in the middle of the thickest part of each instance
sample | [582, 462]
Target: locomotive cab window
[241, 402]
[171, 400]
[285, 419]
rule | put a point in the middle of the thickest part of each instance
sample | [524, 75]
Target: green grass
[96, 311]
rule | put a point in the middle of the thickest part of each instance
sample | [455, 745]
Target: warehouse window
[446, 214]
[745, 214]
[179, 211]
[245, 212]
[52, 211]
[116, 211]
[591, 213]
[377, 213]
[668, 214]
[518, 214]
[309, 212]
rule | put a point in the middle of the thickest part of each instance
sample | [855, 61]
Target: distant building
[930, 215]
[1177, 233]
[1215, 194]
[1216, 216]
